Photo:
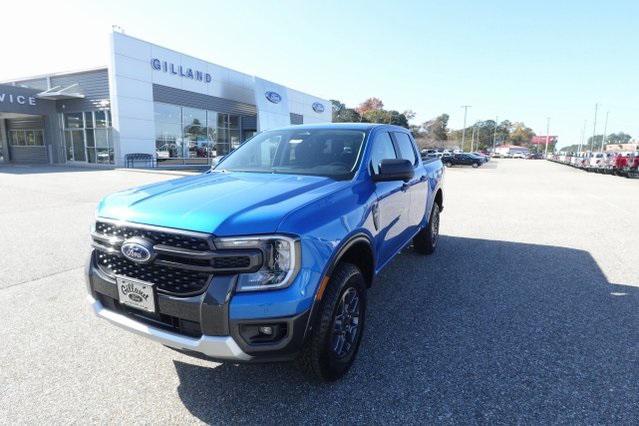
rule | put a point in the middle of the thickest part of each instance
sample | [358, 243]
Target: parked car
[518, 155]
[462, 160]
[631, 169]
[268, 256]
[483, 156]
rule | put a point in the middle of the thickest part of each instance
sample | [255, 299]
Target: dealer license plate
[135, 293]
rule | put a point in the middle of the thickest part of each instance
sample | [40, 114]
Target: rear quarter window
[405, 146]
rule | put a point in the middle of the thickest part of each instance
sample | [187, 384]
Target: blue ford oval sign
[273, 97]
[137, 250]
[318, 108]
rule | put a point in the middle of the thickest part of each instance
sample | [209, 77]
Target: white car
[519, 155]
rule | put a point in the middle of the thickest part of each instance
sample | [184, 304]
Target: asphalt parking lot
[527, 313]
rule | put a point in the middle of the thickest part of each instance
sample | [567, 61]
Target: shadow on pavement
[483, 331]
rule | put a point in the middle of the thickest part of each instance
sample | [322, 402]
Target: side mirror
[390, 170]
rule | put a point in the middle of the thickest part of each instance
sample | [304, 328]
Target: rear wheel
[337, 332]
[475, 165]
[448, 164]
[425, 241]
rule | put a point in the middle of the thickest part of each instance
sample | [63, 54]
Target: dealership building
[169, 107]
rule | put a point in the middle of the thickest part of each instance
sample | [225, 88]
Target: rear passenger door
[418, 186]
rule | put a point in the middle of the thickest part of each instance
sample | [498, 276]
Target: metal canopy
[59, 92]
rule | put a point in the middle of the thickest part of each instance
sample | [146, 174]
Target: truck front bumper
[217, 347]
[197, 325]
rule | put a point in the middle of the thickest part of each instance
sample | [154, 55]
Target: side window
[382, 150]
[405, 146]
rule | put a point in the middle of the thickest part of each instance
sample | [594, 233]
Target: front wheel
[331, 349]
[448, 164]
[475, 165]
[425, 241]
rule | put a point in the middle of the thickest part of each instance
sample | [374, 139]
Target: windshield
[323, 152]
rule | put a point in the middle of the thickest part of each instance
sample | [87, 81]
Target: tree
[432, 133]
[342, 114]
[618, 138]
[521, 135]
[385, 117]
[370, 104]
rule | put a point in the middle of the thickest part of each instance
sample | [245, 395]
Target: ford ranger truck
[269, 255]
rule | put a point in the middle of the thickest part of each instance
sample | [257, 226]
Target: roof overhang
[59, 93]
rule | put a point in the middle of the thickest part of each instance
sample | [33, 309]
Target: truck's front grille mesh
[168, 280]
[158, 237]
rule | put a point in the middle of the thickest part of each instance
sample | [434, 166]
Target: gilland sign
[181, 71]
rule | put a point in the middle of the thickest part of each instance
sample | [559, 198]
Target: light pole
[547, 135]
[464, 129]
[495, 134]
[594, 127]
[603, 137]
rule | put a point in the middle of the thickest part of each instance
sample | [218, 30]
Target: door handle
[405, 187]
[423, 178]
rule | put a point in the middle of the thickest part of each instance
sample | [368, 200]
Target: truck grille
[178, 240]
[183, 262]
[167, 279]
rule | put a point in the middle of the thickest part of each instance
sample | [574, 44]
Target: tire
[425, 242]
[448, 164]
[475, 165]
[320, 358]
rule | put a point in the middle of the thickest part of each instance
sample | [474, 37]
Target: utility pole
[495, 134]
[583, 136]
[472, 139]
[464, 129]
[594, 128]
[547, 135]
[603, 137]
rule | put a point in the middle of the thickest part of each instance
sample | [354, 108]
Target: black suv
[462, 160]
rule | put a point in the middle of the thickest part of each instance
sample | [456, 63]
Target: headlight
[281, 262]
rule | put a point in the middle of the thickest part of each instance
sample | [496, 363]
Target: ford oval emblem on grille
[318, 108]
[273, 97]
[138, 250]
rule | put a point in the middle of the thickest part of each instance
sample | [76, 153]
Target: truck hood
[223, 204]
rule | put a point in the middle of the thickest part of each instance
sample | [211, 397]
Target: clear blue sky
[519, 61]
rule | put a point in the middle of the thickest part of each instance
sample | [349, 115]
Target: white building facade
[149, 103]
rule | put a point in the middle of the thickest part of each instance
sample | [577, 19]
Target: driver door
[391, 208]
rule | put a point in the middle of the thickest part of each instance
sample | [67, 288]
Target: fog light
[267, 330]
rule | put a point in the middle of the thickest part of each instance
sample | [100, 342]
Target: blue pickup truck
[268, 256]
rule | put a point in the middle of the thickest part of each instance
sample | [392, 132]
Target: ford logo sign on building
[318, 107]
[273, 97]
[137, 250]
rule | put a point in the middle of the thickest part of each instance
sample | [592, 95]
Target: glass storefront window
[20, 138]
[39, 137]
[183, 133]
[90, 138]
[77, 138]
[94, 144]
[166, 113]
[73, 120]
[100, 119]
[88, 120]
[68, 145]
